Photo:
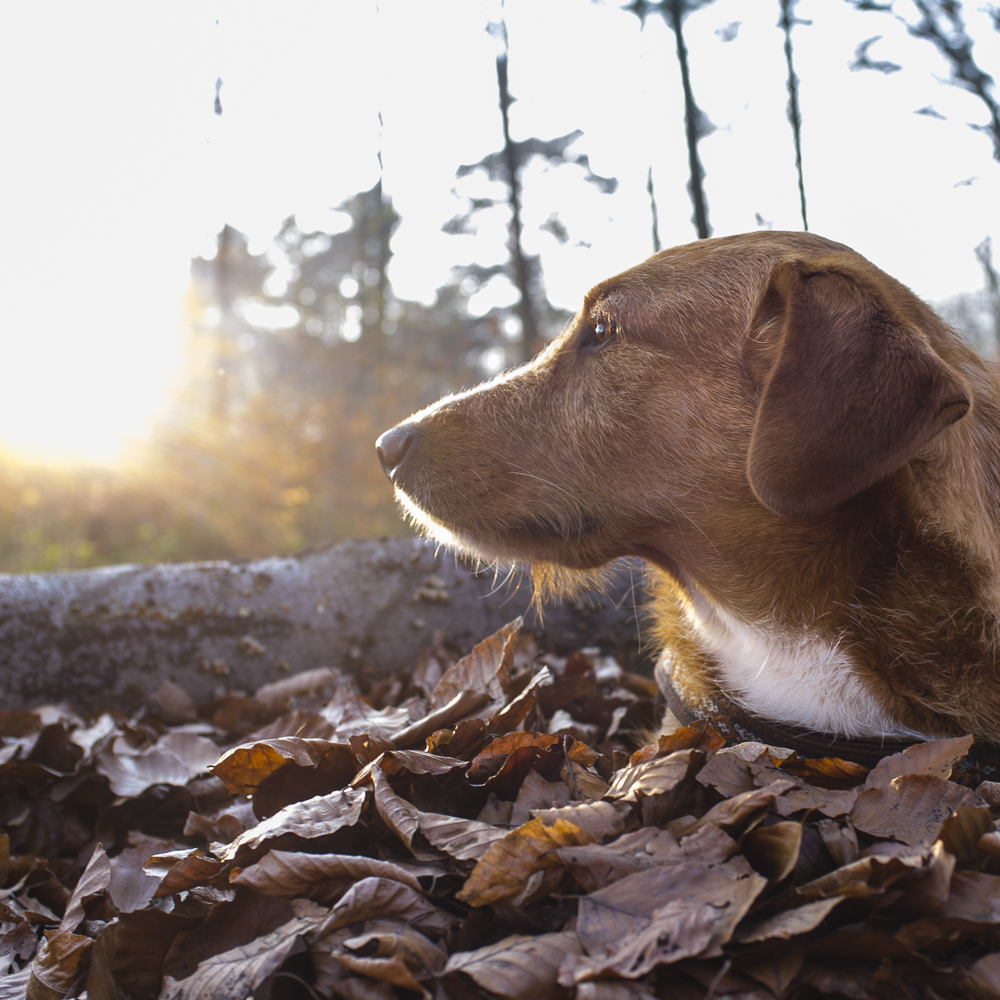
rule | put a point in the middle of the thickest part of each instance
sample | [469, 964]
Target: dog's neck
[885, 616]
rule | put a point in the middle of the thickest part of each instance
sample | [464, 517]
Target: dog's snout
[393, 445]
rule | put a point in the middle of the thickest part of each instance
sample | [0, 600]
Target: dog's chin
[561, 562]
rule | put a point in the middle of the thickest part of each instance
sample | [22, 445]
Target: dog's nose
[393, 445]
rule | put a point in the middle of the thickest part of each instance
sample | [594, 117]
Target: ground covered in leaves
[475, 829]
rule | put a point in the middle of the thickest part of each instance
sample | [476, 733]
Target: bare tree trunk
[794, 115]
[224, 328]
[984, 254]
[111, 637]
[693, 124]
[523, 271]
[653, 210]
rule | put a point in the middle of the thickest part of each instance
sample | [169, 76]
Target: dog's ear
[849, 390]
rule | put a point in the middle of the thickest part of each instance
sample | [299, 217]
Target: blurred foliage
[297, 359]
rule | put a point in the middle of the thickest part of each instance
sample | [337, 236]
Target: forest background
[298, 353]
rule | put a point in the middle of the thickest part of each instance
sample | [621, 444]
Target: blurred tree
[942, 23]
[696, 122]
[984, 254]
[786, 23]
[507, 165]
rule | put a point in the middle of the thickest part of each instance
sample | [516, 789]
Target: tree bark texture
[110, 637]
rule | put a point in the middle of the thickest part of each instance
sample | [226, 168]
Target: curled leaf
[505, 868]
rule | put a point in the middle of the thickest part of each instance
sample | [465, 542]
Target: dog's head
[758, 377]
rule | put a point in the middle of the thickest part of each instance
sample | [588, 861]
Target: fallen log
[111, 636]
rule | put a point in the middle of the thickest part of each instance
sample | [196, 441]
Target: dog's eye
[604, 330]
[597, 334]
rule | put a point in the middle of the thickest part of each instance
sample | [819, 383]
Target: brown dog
[806, 455]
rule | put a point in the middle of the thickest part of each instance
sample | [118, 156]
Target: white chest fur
[796, 679]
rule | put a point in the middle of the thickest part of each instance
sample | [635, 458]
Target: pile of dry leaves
[478, 829]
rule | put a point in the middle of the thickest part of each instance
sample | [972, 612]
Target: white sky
[116, 171]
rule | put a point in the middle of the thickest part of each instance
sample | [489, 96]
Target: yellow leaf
[504, 870]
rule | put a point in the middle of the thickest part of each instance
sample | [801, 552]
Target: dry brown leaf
[140, 943]
[830, 802]
[708, 845]
[174, 760]
[518, 967]
[357, 988]
[655, 777]
[244, 767]
[840, 840]
[595, 866]
[235, 974]
[181, 870]
[486, 668]
[910, 808]
[937, 758]
[673, 931]
[743, 811]
[700, 736]
[512, 715]
[925, 892]
[974, 896]
[728, 772]
[612, 989]
[316, 683]
[531, 749]
[294, 781]
[866, 877]
[536, 793]
[387, 970]
[786, 924]
[695, 906]
[844, 981]
[292, 873]
[825, 772]
[599, 819]
[402, 817]
[582, 783]
[963, 829]
[92, 883]
[58, 964]
[385, 938]
[101, 981]
[316, 817]
[982, 980]
[20, 941]
[130, 887]
[464, 839]
[382, 898]
[773, 850]
[615, 989]
[505, 868]
[778, 971]
[307, 725]
[418, 762]
[351, 715]
[448, 714]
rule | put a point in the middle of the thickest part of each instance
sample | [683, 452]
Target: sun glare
[125, 172]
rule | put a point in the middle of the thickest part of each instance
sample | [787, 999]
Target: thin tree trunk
[224, 328]
[531, 340]
[984, 254]
[794, 115]
[653, 210]
[692, 123]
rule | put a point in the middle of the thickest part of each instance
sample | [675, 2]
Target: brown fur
[778, 428]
